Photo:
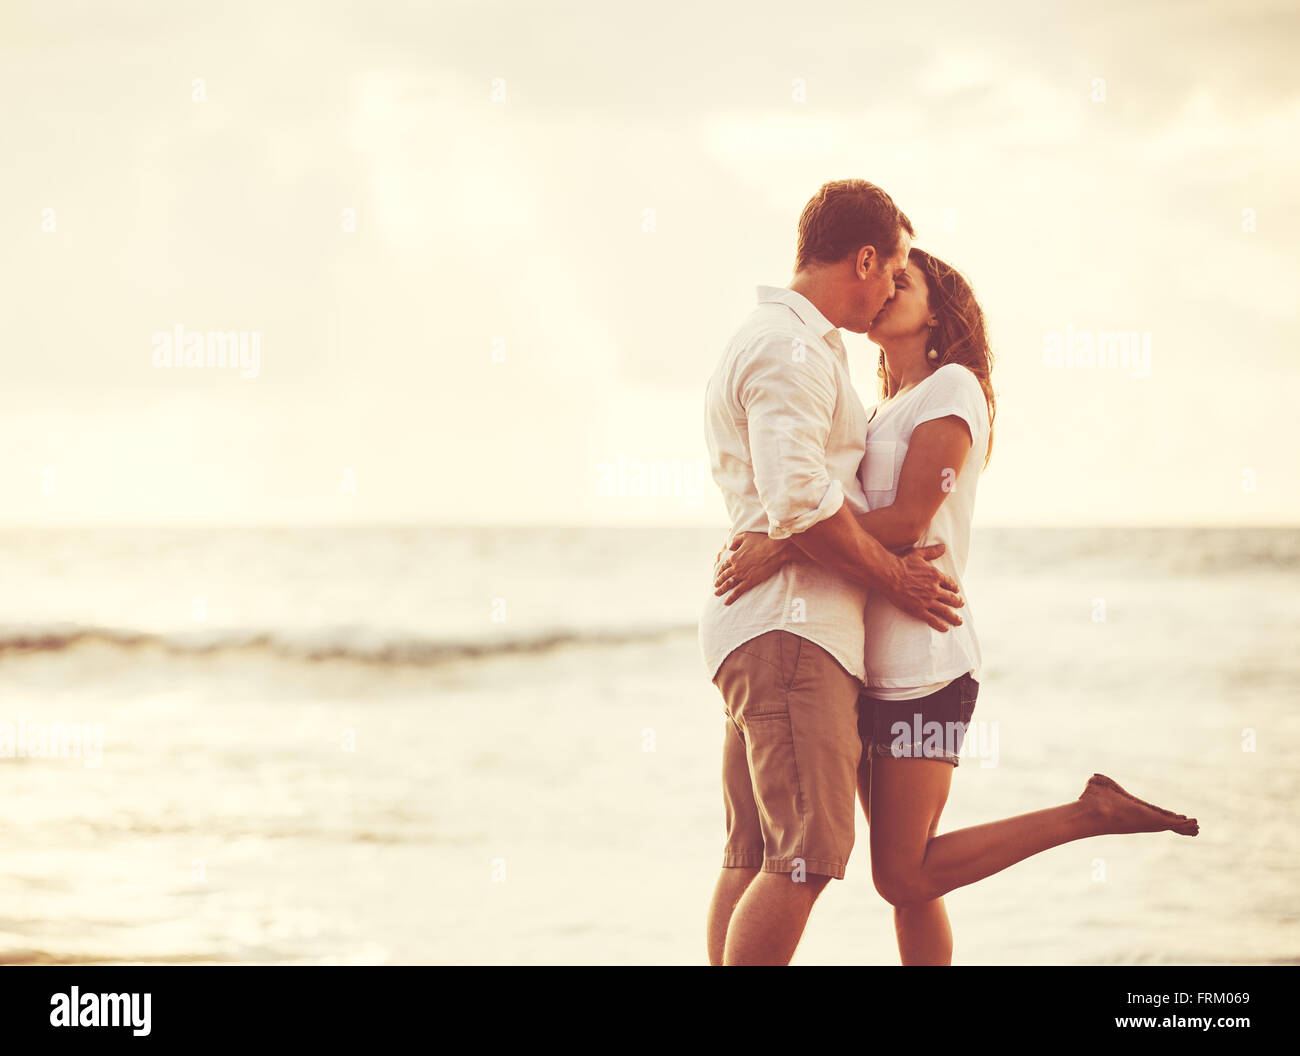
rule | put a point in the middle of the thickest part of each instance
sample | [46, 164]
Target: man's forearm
[889, 526]
[840, 544]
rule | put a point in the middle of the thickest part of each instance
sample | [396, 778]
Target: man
[786, 434]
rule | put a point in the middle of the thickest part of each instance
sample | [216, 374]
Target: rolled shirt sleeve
[787, 391]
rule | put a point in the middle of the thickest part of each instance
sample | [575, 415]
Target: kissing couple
[837, 631]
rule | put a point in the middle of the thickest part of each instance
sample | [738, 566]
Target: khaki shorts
[790, 756]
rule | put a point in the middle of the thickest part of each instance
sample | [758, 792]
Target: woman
[937, 409]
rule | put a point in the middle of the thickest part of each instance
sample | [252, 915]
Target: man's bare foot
[1120, 811]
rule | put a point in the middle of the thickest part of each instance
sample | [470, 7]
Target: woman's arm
[936, 451]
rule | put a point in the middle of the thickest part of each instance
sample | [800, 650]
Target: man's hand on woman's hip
[921, 590]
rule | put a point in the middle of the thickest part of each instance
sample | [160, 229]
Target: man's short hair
[845, 215]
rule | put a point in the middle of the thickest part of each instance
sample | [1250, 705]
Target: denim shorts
[932, 727]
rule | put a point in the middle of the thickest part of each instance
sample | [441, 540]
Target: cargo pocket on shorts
[769, 744]
[773, 668]
[774, 771]
[791, 652]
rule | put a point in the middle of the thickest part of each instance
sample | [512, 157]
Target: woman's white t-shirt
[905, 657]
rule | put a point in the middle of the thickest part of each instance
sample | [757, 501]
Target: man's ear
[866, 256]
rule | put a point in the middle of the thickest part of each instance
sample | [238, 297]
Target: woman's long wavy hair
[960, 337]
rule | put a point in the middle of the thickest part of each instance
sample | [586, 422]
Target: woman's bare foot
[1119, 811]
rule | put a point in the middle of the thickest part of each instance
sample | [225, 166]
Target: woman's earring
[933, 354]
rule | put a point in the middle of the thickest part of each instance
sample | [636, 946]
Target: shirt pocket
[878, 466]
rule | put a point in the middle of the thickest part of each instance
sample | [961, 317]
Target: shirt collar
[806, 311]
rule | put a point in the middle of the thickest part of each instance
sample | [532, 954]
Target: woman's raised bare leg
[911, 866]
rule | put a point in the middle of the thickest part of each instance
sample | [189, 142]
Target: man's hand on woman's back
[922, 591]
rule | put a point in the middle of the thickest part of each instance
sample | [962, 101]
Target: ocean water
[500, 746]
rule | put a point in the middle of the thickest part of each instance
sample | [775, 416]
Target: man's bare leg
[770, 917]
[731, 885]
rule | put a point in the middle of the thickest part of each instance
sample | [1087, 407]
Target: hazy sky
[489, 253]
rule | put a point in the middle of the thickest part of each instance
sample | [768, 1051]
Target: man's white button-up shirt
[786, 434]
